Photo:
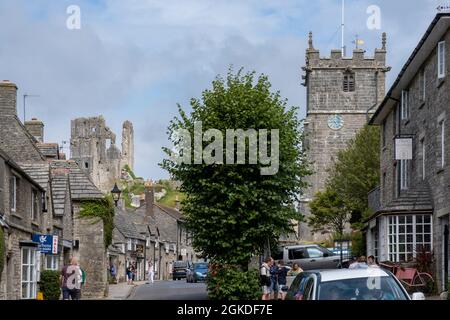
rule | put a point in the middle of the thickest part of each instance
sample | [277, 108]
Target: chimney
[36, 128]
[8, 98]
[149, 198]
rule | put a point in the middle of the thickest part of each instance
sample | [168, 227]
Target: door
[309, 289]
[320, 258]
[298, 255]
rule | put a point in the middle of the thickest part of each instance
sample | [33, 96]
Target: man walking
[70, 280]
[265, 278]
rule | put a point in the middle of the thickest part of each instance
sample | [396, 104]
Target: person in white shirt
[265, 278]
[151, 272]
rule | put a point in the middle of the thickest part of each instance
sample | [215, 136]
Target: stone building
[65, 188]
[411, 206]
[340, 92]
[93, 147]
[21, 216]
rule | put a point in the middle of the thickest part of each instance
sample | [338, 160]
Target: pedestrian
[371, 262]
[129, 274]
[265, 280]
[113, 271]
[70, 280]
[361, 263]
[151, 272]
[295, 270]
[133, 273]
[282, 279]
[274, 280]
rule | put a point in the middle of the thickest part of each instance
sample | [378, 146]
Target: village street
[169, 290]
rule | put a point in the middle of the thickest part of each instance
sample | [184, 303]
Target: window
[34, 205]
[422, 85]
[52, 262]
[423, 151]
[441, 59]
[349, 82]
[298, 253]
[404, 174]
[407, 235]
[314, 252]
[28, 273]
[129, 245]
[147, 242]
[13, 193]
[405, 105]
[442, 142]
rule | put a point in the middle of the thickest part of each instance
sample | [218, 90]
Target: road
[170, 290]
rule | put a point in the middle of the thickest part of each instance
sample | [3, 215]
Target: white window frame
[441, 59]
[405, 105]
[147, 242]
[13, 205]
[442, 124]
[394, 235]
[54, 262]
[423, 84]
[404, 174]
[31, 266]
[129, 244]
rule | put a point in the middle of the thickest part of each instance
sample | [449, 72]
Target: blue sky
[136, 59]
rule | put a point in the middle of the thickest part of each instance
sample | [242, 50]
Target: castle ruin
[93, 147]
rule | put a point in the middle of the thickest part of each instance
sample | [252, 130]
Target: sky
[136, 59]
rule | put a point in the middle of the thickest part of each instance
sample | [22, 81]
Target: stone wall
[91, 254]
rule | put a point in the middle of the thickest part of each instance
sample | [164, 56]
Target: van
[308, 257]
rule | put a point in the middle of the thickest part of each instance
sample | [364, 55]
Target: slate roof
[49, 150]
[177, 215]
[415, 199]
[125, 225]
[81, 186]
[39, 172]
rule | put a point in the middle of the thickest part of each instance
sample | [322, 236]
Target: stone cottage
[411, 206]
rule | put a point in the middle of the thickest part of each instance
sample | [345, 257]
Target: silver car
[349, 284]
[309, 257]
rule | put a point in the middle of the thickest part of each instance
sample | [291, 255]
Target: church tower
[341, 93]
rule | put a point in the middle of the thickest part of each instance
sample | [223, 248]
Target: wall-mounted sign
[46, 243]
[403, 148]
[140, 249]
[184, 252]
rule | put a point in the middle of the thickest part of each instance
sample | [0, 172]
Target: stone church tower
[341, 92]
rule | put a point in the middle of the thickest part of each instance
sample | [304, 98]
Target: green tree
[357, 171]
[329, 213]
[232, 210]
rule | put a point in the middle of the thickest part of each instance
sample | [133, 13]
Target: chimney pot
[149, 198]
[8, 98]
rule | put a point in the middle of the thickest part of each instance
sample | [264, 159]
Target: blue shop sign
[47, 243]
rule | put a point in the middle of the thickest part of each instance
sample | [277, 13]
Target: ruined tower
[93, 147]
[127, 145]
[341, 92]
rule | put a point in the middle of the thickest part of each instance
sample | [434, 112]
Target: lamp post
[116, 194]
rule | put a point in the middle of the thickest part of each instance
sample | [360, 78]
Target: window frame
[34, 205]
[349, 83]
[441, 60]
[405, 105]
[54, 262]
[13, 193]
[31, 280]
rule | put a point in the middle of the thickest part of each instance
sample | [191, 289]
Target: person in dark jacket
[274, 279]
[282, 279]
[264, 275]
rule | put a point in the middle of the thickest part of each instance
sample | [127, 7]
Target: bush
[231, 283]
[49, 284]
[358, 244]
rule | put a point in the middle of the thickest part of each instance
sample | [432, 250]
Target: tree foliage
[100, 209]
[329, 213]
[357, 171]
[233, 210]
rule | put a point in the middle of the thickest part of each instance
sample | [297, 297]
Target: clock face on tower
[335, 122]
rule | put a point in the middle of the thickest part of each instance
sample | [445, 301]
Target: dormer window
[349, 82]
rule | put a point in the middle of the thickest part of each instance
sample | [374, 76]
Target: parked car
[180, 268]
[310, 257]
[197, 272]
[348, 284]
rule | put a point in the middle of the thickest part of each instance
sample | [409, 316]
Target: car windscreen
[201, 266]
[374, 288]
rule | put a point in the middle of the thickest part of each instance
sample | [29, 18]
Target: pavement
[169, 290]
[122, 291]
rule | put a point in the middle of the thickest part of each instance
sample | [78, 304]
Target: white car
[349, 284]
